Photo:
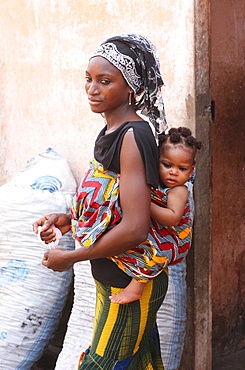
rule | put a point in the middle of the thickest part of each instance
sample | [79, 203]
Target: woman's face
[105, 86]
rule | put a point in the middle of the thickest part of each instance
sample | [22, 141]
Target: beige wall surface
[44, 50]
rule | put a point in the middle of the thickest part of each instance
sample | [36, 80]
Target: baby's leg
[131, 293]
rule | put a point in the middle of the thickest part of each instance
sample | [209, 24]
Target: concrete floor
[231, 362]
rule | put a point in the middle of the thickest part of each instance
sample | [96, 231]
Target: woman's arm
[171, 216]
[134, 226]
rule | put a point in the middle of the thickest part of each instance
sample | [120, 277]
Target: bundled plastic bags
[31, 296]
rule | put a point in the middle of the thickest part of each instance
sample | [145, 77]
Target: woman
[122, 77]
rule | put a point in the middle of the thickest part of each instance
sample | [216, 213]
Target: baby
[177, 151]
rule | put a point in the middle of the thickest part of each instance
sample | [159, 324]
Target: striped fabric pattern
[96, 209]
[126, 336]
[95, 206]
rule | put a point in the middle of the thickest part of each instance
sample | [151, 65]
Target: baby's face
[176, 165]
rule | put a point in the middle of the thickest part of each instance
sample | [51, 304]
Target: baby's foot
[125, 296]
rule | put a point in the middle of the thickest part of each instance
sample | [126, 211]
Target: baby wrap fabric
[96, 209]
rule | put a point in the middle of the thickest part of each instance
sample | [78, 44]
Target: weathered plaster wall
[44, 49]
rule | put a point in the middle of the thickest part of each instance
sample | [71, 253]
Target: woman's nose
[92, 88]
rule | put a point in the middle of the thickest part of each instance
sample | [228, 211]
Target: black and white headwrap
[136, 57]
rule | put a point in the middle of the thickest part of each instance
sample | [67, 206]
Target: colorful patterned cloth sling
[178, 238]
[96, 209]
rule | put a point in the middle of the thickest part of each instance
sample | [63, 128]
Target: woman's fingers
[39, 223]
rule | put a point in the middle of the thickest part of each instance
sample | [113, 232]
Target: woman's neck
[113, 121]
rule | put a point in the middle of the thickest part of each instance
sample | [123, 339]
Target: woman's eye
[87, 78]
[105, 82]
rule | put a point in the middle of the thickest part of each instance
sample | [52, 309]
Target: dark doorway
[228, 173]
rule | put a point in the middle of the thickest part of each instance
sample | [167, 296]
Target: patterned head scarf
[136, 59]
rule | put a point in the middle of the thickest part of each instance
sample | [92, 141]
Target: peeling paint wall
[44, 49]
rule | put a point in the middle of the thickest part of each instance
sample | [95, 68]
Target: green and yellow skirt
[125, 336]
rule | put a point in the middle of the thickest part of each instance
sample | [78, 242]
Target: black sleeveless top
[107, 151]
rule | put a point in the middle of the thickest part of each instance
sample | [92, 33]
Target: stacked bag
[32, 297]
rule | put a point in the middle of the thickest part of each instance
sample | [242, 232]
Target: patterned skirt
[125, 335]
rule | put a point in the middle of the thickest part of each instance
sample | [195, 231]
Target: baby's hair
[179, 135]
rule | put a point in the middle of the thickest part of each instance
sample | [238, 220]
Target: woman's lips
[94, 102]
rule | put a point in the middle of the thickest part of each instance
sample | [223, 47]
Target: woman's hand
[57, 260]
[60, 220]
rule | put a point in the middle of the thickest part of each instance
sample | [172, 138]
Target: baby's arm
[171, 215]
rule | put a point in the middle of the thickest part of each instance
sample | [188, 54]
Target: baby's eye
[182, 169]
[166, 165]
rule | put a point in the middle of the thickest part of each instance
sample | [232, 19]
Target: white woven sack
[31, 296]
[47, 170]
[171, 318]
[80, 324]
